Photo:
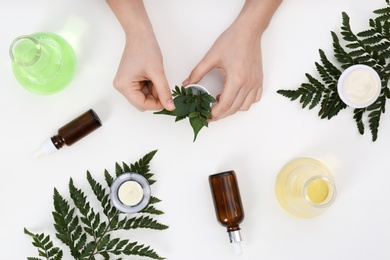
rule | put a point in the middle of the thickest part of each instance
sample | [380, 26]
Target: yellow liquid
[290, 187]
[318, 191]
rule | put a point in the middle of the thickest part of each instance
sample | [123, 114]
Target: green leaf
[196, 124]
[45, 246]
[370, 47]
[194, 106]
[81, 227]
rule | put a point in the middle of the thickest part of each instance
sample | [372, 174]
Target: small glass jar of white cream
[359, 86]
[130, 192]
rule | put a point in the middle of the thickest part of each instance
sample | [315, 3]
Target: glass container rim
[331, 195]
[130, 176]
[37, 46]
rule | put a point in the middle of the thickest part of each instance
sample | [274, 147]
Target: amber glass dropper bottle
[70, 133]
[228, 205]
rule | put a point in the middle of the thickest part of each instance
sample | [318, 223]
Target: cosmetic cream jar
[130, 192]
[359, 86]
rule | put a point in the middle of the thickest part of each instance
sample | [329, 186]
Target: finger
[163, 91]
[203, 67]
[249, 100]
[259, 94]
[229, 101]
[242, 101]
[139, 99]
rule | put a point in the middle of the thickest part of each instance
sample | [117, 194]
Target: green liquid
[49, 73]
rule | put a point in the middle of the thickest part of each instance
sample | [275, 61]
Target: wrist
[256, 15]
[131, 15]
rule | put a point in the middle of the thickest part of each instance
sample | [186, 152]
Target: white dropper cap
[235, 240]
[47, 147]
[237, 248]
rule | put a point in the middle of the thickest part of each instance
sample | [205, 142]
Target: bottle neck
[319, 191]
[233, 227]
[25, 51]
[58, 141]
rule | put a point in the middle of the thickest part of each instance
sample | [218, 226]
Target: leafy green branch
[196, 107]
[370, 47]
[88, 232]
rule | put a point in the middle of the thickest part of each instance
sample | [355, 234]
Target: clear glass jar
[44, 63]
[130, 192]
[305, 187]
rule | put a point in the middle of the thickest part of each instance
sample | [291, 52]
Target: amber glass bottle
[71, 133]
[76, 129]
[227, 204]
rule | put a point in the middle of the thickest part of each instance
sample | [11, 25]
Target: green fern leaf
[383, 13]
[152, 210]
[45, 246]
[370, 47]
[109, 179]
[143, 222]
[374, 118]
[358, 116]
[83, 230]
[118, 169]
[141, 250]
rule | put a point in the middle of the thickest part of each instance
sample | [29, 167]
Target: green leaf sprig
[196, 107]
[88, 232]
[370, 47]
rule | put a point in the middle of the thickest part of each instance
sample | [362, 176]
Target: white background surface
[256, 144]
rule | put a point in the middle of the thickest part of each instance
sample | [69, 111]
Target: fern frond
[45, 246]
[143, 222]
[118, 169]
[383, 13]
[331, 105]
[140, 250]
[86, 233]
[142, 167]
[358, 116]
[370, 47]
[152, 210]
[346, 30]
[326, 77]
[291, 94]
[330, 68]
[374, 118]
[102, 195]
[66, 223]
[154, 200]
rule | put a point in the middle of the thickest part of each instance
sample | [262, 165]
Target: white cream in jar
[130, 192]
[359, 86]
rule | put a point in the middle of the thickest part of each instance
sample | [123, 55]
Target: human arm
[237, 54]
[140, 76]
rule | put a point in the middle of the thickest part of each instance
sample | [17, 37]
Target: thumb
[163, 91]
[203, 67]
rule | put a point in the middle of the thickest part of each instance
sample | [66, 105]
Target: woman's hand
[140, 76]
[237, 54]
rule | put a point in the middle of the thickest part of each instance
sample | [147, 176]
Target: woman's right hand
[140, 76]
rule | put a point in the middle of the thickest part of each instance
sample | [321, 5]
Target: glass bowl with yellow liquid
[305, 187]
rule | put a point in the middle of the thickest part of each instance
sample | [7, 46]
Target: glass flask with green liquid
[44, 63]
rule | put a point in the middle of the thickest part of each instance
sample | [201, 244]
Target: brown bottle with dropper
[71, 133]
[228, 205]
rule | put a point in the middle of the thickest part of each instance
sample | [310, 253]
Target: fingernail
[185, 82]
[170, 104]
